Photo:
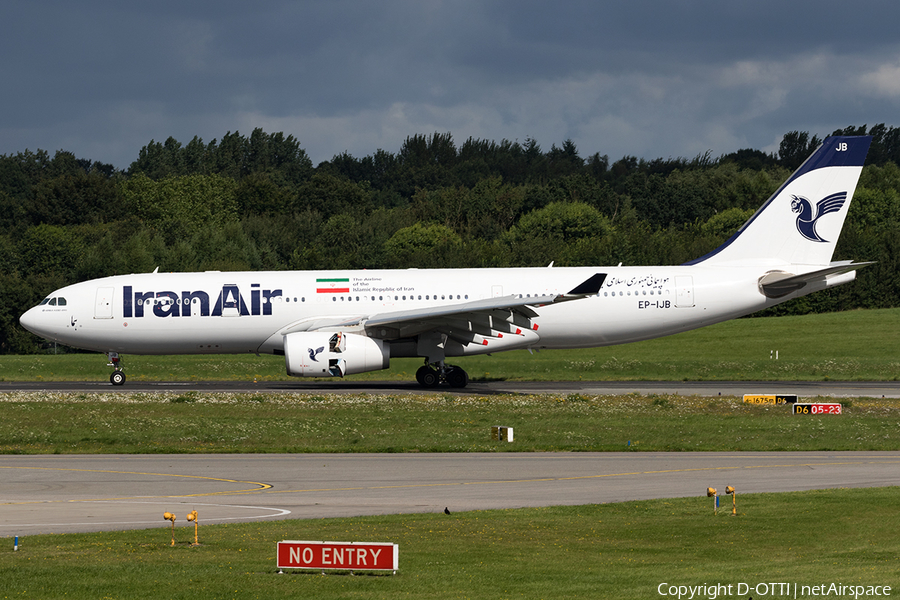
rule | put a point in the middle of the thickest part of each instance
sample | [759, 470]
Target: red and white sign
[819, 408]
[355, 556]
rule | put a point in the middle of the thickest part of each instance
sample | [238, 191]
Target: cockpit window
[53, 302]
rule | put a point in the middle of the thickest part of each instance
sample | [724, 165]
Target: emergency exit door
[684, 292]
[103, 306]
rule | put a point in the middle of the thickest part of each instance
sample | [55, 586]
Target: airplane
[338, 323]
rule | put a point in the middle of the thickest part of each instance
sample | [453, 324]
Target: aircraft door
[103, 305]
[684, 292]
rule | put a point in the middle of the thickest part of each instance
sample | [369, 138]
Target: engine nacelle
[333, 354]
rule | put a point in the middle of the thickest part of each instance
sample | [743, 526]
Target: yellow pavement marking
[260, 486]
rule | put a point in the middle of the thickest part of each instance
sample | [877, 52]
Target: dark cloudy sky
[655, 79]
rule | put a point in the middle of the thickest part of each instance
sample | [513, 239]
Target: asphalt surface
[79, 493]
[805, 389]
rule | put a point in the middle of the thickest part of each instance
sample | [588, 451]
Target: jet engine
[333, 354]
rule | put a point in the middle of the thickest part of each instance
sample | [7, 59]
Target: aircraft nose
[31, 321]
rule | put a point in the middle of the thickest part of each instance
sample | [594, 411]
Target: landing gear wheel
[457, 378]
[115, 361]
[427, 377]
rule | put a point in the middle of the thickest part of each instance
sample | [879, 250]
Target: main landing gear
[118, 376]
[433, 375]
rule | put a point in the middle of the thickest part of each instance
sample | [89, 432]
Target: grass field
[854, 345]
[66, 423]
[623, 551]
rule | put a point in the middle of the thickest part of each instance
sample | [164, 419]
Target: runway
[804, 389]
[80, 493]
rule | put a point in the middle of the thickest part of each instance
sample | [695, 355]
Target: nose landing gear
[118, 376]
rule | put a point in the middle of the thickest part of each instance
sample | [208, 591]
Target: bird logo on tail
[806, 220]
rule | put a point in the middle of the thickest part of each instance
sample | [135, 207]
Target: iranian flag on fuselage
[336, 285]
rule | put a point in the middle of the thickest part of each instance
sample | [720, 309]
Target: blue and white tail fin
[801, 222]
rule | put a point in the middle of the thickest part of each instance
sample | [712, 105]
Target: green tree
[562, 222]
[259, 194]
[181, 204]
[722, 225]
[342, 240]
[49, 250]
[558, 232]
[75, 198]
[330, 195]
[795, 147]
[234, 156]
[216, 248]
[423, 246]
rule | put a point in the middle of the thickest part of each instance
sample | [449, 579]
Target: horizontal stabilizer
[778, 283]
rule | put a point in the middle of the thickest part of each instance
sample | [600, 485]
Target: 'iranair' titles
[229, 302]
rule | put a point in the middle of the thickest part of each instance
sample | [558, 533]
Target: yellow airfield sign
[770, 398]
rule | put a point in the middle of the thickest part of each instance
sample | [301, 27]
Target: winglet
[589, 286]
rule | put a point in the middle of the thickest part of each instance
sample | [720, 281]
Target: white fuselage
[240, 312]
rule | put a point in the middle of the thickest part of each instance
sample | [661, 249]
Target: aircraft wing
[468, 321]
